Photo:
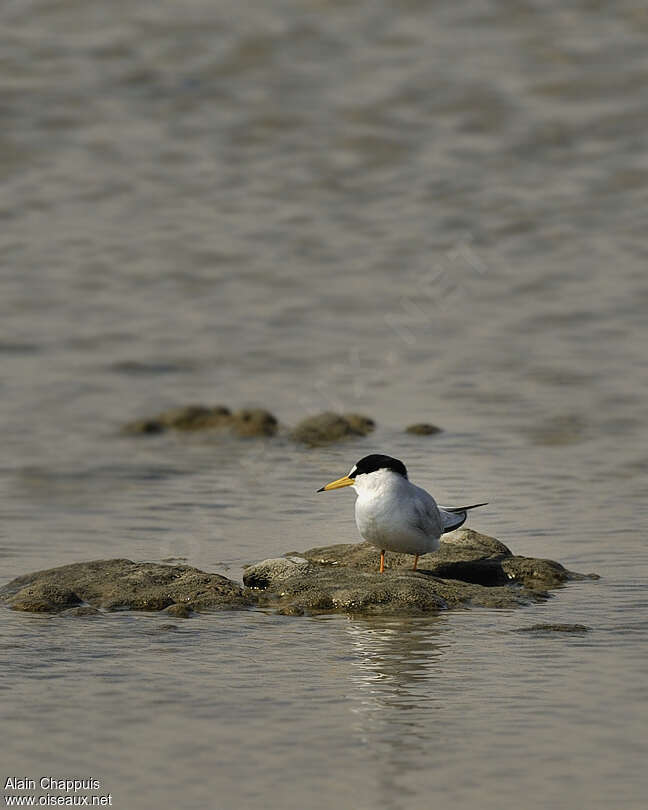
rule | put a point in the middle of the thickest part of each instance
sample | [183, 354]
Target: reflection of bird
[394, 514]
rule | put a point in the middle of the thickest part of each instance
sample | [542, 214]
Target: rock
[469, 569]
[246, 422]
[423, 429]
[535, 573]
[83, 610]
[179, 611]
[553, 628]
[331, 427]
[122, 585]
[144, 427]
[187, 417]
[360, 424]
[315, 587]
[464, 554]
[195, 417]
[273, 572]
[254, 422]
[291, 610]
[45, 597]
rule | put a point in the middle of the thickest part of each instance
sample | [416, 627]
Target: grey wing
[426, 515]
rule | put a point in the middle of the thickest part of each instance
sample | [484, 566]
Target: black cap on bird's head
[377, 461]
[366, 465]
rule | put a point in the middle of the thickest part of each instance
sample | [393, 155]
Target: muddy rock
[469, 569]
[553, 628]
[186, 417]
[295, 588]
[360, 424]
[179, 611]
[253, 422]
[465, 555]
[143, 427]
[195, 417]
[122, 585]
[423, 429]
[82, 610]
[245, 422]
[331, 427]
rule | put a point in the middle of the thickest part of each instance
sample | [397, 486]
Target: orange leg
[382, 561]
[416, 556]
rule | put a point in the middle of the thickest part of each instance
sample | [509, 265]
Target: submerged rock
[253, 422]
[195, 417]
[82, 610]
[179, 611]
[122, 585]
[360, 424]
[423, 429]
[245, 422]
[143, 427]
[332, 427]
[248, 422]
[469, 569]
[553, 628]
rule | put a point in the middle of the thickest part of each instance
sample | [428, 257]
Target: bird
[394, 514]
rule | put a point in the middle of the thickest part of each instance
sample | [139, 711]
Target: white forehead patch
[352, 471]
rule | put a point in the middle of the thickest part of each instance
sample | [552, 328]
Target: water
[420, 211]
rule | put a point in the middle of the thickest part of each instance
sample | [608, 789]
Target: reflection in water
[397, 662]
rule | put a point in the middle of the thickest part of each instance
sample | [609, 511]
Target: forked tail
[455, 516]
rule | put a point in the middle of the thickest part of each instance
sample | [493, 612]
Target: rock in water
[332, 427]
[123, 585]
[246, 422]
[253, 422]
[423, 429]
[469, 569]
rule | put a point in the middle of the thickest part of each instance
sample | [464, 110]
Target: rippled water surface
[421, 211]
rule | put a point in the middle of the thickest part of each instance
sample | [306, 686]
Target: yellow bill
[345, 481]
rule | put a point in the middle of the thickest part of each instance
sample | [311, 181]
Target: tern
[392, 513]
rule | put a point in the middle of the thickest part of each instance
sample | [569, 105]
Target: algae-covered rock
[49, 596]
[469, 569]
[144, 427]
[553, 628]
[179, 611]
[331, 427]
[245, 422]
[82, 610]
[253, 422]
[464, 554]
[423, 429]
[195, 417]
[122, 585]
[315, 587]
[360, 424]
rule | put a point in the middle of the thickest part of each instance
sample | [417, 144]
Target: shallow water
[419, 211]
